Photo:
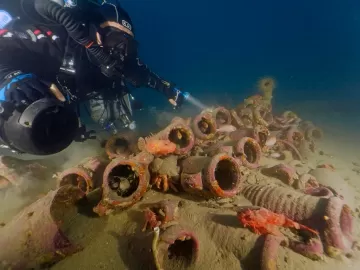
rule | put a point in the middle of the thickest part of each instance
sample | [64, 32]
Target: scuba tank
[112, 115]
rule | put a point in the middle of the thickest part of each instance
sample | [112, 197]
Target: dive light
[186, 95]
[189, 98]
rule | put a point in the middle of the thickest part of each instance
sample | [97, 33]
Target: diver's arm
[141, 76]
[74, 28]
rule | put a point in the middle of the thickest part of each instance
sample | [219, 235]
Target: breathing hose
[75, 29]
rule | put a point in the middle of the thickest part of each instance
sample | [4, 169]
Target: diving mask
[117, 41]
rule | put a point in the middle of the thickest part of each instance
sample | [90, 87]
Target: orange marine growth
[263, 221]
[157, 147]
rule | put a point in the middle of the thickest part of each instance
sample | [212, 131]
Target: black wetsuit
[39, 49]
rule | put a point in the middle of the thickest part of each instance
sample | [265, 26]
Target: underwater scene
[174, 135]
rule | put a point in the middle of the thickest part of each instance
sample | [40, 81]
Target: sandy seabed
[119, 243]
[223, 243]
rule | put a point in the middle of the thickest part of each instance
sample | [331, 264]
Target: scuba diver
[57, 53]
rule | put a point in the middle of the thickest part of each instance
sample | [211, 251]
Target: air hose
[75, 29]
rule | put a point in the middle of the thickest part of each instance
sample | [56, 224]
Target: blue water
[218, 50]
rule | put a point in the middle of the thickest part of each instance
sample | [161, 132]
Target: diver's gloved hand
[174, 95]
[23, 89]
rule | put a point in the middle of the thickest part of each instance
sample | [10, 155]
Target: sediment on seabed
[171, 200]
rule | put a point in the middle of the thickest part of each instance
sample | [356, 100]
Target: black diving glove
[23, 89]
